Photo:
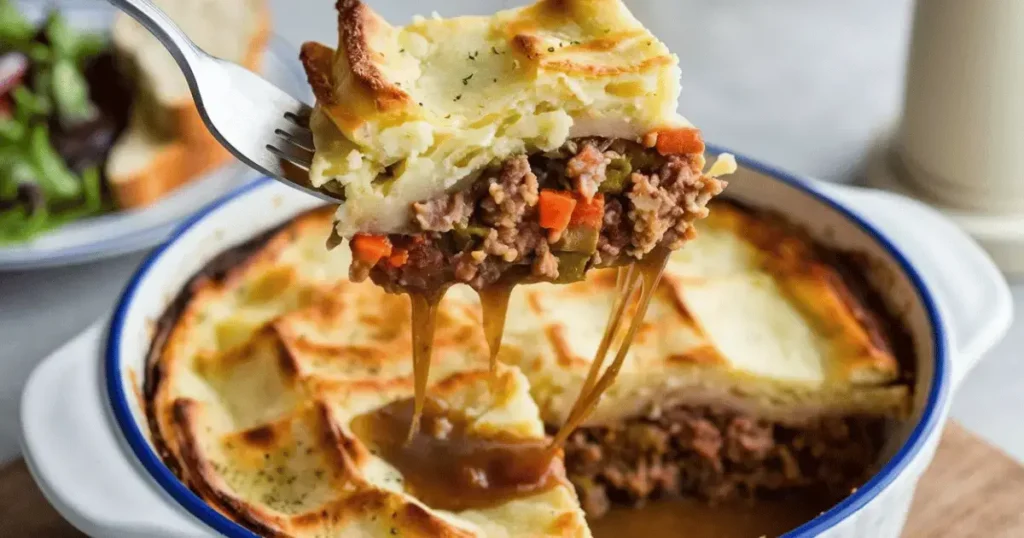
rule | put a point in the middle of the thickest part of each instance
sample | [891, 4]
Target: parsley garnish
[465, 80]
[458, 97]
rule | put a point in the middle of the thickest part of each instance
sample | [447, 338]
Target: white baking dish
[84, 433]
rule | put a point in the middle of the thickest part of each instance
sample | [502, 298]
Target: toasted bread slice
[166, 144]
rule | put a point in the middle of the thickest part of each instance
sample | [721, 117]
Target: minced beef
[477, 235]
[719, 456]
[587, 169]
[442, 214]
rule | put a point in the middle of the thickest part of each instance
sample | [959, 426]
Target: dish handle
[973, 297]
[75, 456]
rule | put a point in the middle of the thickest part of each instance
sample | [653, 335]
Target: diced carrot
[556, 209]
[369, 249]
[590, 213]
[680, 141]
[399, 257]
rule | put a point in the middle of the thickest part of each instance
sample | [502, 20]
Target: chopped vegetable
[577, 238]
[584, 229]
[556, 209]
[645, 161]
[572, 267]
[680, 141]
[14, 29]
[369, 249]
[590, 213]
[616, 175]
[464, 235]
[399, 257]
[71, 93]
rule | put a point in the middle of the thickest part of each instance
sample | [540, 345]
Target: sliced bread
[166, 144]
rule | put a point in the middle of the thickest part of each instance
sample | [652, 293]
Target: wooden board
[971, 489]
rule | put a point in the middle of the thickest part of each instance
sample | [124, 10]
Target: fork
[257, 122]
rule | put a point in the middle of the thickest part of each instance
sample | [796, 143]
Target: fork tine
[293, 154]
[300, 138]
[301, 116]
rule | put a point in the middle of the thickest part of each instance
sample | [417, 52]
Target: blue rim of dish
[937, 393]
[143, 238]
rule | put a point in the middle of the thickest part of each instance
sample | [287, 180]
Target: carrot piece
[399, 257]
[369, 249]
[556, 209]
[680, 141]
[590, 214]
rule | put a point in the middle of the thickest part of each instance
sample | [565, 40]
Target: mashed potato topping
[405, 114]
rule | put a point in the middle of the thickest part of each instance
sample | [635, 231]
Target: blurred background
[809, 86]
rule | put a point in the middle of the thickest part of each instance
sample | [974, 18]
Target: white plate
[122, 232]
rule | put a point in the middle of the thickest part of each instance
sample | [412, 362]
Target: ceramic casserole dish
[85, 434]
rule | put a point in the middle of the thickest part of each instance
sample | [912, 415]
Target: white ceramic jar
[962, 136]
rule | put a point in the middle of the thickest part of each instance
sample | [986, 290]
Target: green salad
[54, 136]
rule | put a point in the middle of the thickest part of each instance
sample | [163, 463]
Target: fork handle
[182, 49]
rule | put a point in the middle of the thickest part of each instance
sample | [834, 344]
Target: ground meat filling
[719, 456]
[478, 235]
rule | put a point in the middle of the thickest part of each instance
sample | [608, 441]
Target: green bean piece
[616, 175]
[572, 267]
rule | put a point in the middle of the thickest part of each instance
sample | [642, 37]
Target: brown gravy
[448, 467]
[644, 274]
[494, 307]
[424, 322]
[691, 518]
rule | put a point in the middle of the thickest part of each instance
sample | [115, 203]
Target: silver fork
[260, 124]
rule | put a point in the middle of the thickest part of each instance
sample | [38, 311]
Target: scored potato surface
[265, 369]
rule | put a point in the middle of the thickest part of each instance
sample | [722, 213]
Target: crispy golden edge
[201, 290]
[792, 257]
[408, 516]
[205, 480]
[356, 23]
[202, 477]
[316, 58]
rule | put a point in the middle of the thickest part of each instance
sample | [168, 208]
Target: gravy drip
[448, 466]
[494, 305]
[647, 273]
[424, 321]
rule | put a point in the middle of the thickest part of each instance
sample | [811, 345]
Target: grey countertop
[806, 85]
